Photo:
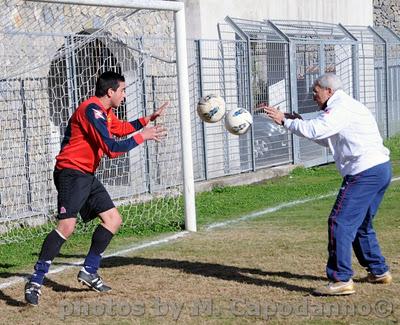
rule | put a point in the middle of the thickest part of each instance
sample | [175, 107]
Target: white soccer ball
[211, 108]
[238, 121]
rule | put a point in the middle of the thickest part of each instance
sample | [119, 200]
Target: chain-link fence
[52, 54]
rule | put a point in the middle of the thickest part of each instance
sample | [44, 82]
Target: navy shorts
[80, 192]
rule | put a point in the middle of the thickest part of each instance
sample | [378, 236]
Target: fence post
[201, 94]
[386, 69]
[291, 52]
[143, 76]
[246, 38]
[227, 167]
[354, 62]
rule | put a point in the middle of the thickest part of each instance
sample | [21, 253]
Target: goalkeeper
[349, 130]
[88, 136]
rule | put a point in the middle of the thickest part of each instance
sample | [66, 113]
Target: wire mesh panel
[222, 68]
[215, 67]
[311, 31]
[58, 52]
[339, 59]
[268, 67]
[372, 72]
[244, 100]
[318, 48]
[355, 54]
[306, 50]
[393, 75]
[308, 67]
[270, 84]
[194, 67]
[213, 72]
[255, 30]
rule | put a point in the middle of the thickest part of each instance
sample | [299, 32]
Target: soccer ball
[211, 108]
[238, 121]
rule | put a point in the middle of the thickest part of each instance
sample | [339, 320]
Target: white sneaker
[336, 289]
[384, 278]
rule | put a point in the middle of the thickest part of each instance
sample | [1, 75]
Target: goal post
[183, 89]
[183, 86]
[58, 50]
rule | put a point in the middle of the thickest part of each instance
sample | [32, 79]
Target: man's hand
[156, 133]
[275, 114]
[157, 113]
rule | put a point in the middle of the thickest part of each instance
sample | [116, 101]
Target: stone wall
[387, 13]
[36, 89]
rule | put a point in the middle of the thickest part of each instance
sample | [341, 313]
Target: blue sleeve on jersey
[136, 124]
[98, 120]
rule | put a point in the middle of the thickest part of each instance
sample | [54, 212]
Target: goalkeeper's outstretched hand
[156, 133]
[160, 111]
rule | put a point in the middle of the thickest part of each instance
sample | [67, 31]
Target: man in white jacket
[349, 129]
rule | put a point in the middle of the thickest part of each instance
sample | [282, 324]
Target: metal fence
[278, 61]
[250, 63]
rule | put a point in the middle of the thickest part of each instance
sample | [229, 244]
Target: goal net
[52, 54]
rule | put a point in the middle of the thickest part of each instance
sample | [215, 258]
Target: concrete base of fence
[244, 178]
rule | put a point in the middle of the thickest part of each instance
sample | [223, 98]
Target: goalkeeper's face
[117, 96]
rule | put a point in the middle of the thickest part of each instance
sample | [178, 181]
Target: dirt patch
[250, 273]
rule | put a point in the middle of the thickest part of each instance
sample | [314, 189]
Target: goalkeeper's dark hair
[107, 80]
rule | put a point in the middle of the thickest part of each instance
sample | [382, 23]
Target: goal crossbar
[127, 4]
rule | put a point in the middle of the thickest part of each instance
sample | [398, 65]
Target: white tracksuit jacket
[349, 129]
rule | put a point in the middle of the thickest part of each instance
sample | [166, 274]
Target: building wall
[387, 13]
[203, 15]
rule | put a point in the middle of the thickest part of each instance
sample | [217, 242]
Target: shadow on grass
[58, 287]
[8, 299]
[219, 271]
[11, 301]
[55, 286]
[62, 255]
[5, 265]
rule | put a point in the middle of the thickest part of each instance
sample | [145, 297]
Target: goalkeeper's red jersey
[89, 135]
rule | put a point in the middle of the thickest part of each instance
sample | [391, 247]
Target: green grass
[227, 202]
[222, 203]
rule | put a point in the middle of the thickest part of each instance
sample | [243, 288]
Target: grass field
[255, 271]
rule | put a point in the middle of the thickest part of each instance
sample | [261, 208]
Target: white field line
[266, 211]
[273, 209]
[17, 279]
[14, 280]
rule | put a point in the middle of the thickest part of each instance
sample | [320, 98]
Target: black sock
[51, 246]
[100, 240]
[50, 249]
